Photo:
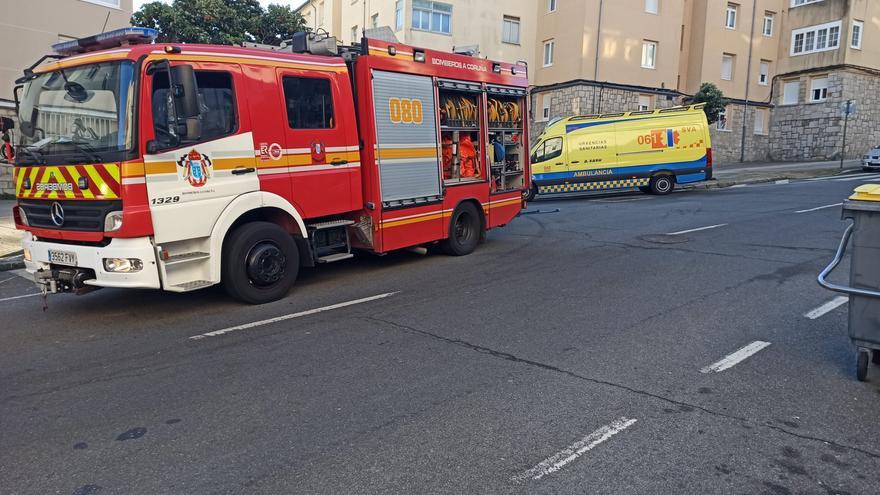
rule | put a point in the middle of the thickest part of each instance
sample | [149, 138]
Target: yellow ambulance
[651, 150]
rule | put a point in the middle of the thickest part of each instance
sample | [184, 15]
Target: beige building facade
[29, 27]
[497, 29]
[786, 66]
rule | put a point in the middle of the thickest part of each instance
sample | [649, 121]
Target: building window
[814, 39]
[722, 124]
[398, 15]
[769, 18]
[791, 92]
[545, 107]
[649, 54]
[548, 53]
[652, 6]
[432, 16]
[798, 3]
[309, 102]
[819, 89]
[354, 33]
[761, 121]
[728, 62]
[510, 30]
[764, 73]
[551, 5]
[374, 21]
[855, 41]
[646, 102]
[730, 16]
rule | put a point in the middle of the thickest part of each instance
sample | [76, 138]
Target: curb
[14, 262]
[725, 183]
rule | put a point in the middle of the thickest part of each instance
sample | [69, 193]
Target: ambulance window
[216, 101]
[548, 150]
[309, 103]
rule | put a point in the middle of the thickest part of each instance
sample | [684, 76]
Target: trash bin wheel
[862, 364]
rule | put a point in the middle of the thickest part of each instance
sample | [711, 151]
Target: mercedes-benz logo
[56, 212]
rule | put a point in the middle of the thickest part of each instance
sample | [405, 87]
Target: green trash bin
[863, 208]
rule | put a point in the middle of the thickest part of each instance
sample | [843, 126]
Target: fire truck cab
[179, 166]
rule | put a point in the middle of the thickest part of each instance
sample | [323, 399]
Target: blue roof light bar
[110, 39]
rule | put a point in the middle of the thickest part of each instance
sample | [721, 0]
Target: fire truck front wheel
[260, 263]
[465, 231]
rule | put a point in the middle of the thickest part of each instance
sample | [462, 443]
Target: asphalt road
[578, 351]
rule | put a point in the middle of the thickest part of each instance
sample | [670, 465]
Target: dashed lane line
[565, 456]
[20, 297]
[697, 229]
[246, 326]
[827, 307]
[819, 208]
[736, 357]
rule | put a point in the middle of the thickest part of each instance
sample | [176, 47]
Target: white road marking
[19, 297]
[782, 181]
[860, 177]
[558, 460]
[621, 200]
[837, 177]
[735, 358]
[697, 230]
[736, 186]
[819, 208]
[827, 307]
[6, 280]
[269, 321]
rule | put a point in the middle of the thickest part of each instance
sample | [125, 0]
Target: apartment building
[787, 66]
[28, 28]
[828, 54]
[497, 29]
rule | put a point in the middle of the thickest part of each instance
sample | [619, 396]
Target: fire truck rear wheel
[465, 230]
[260, 263]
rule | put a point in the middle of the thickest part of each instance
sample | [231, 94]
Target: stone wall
[726, 144]
[6, 184]
[814, 131]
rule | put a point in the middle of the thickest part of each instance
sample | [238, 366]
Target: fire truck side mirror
[186, 91]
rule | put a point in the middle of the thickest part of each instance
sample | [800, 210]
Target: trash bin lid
[867, 192]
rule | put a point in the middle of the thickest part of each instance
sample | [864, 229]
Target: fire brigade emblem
[196, 168]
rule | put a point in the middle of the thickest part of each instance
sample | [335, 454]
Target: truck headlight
[19, 215]
[123, 265]
[113, 221]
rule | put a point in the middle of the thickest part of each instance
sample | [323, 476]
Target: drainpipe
[742, 145]
[596, 61]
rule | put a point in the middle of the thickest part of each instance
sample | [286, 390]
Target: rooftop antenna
[106, 20]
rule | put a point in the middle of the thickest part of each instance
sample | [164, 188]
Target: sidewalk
[729, 174]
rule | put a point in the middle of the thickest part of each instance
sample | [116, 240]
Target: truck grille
[83, 216]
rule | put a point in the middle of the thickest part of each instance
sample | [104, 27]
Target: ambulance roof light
[110, 39]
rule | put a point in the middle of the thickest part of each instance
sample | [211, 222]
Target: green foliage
[222, 22]
[714, 100]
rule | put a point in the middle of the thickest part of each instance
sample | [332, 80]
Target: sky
[292, 3]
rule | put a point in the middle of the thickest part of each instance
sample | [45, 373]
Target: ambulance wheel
[662, 184]
[862, 365]
[464, 231]
[260, 263]
[531, 193]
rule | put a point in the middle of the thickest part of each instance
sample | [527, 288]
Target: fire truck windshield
[77, 115]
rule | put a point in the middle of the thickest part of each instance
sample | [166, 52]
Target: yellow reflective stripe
[394, 153]
[102, 186]
[74, 173]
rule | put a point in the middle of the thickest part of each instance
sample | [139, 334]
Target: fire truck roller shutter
[406, 133]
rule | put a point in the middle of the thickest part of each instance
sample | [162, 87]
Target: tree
[222, 22]
[714, 100]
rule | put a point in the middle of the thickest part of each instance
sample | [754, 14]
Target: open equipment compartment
[460, 126]
[506, 150]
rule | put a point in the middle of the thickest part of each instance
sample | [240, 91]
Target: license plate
[62, 258]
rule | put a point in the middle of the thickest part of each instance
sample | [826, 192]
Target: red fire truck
[179, 166]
